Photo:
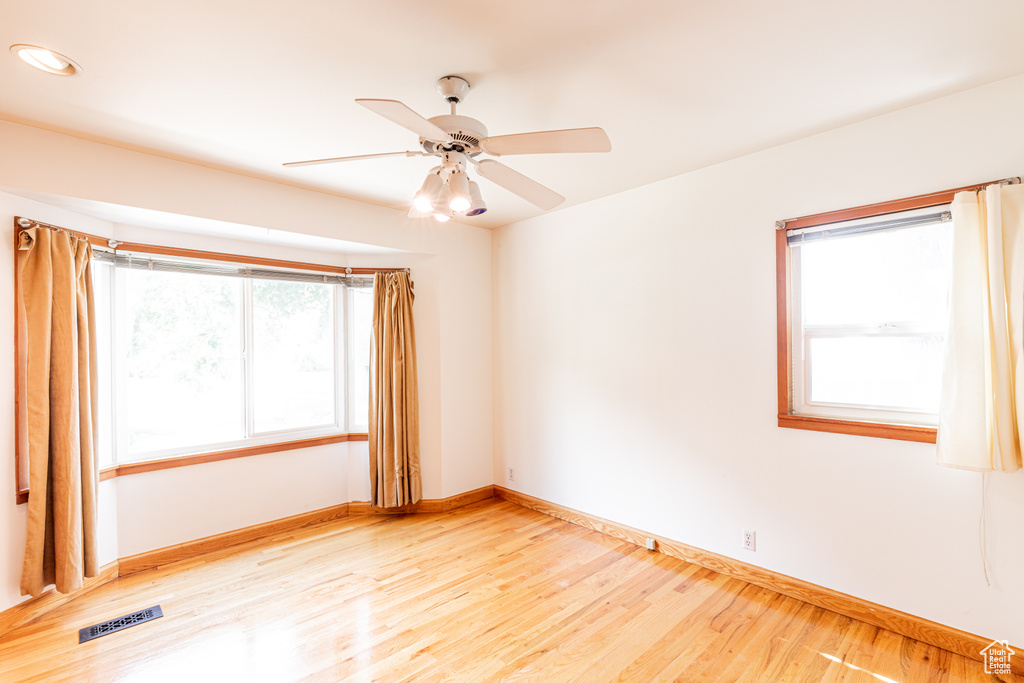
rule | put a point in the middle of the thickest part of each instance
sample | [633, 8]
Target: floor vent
[97, 630]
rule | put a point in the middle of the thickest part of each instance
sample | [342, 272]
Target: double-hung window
[199, 356]
[862, 322]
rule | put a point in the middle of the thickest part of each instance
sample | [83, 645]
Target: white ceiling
[677, 85]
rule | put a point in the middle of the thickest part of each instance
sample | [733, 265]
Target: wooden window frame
[786, 417]
[124, 469]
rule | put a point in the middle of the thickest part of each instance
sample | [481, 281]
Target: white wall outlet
[749, 540]
[652, 544]
[511, 474]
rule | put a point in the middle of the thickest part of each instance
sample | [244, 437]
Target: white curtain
[982, 409]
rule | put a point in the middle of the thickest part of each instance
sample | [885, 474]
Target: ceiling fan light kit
[458, 185]
[477, 205]
[429, 193]
[457, 140]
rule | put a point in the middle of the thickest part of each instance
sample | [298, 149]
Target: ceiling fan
[457, 141]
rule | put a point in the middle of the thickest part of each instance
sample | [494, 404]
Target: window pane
[873, 278]
[892, 371]
[293, 355]
[101, 274]
[361, 332]
[179, 360]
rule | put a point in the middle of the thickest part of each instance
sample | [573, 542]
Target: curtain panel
[982, 406]
[57, 408]
[394, 399]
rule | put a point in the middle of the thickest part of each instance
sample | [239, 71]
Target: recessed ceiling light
[46, 60]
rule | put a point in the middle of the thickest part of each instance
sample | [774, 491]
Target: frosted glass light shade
[458, 185]
[426, 199]
[477, 204]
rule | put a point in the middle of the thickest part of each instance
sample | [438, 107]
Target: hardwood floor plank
[765, 657]
[703, 595]
[487, 592]
[908, 625]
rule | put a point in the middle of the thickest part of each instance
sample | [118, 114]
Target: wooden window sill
[215, 456]
[875, 429]
[244, 452]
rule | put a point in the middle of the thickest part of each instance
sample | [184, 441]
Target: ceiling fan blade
[516, 183]
[314, 162]
[549, 142]
[395, 111]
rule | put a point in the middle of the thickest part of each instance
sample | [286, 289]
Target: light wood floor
[489, 592]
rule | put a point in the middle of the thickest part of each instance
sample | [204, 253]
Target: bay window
[200, 356]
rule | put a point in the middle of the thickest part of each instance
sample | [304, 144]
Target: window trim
[138, 467]
[122, 469]
[783, 291]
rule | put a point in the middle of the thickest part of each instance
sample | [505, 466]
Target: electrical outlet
[749, 540]
[511, 474]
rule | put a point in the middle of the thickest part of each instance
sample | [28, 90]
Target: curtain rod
[893, 205]
[105, 243]
[27, 223]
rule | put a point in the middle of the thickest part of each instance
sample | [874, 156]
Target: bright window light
[360, 324]
[179, 376]
[193, 362]
[293, 359]
[869, 318]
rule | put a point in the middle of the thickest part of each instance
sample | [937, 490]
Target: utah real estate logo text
[997, 657]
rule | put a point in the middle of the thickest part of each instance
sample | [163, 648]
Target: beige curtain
[57, 367]
[982, 409]
[394, 399]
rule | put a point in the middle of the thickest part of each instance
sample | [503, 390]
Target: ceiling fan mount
[457, 140]
[465, 133]
[453, 88]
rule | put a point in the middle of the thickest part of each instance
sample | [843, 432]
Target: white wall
[636, 373]
[451, 267]
[159, 509]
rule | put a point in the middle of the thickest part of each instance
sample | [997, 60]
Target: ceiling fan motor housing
[466, 133]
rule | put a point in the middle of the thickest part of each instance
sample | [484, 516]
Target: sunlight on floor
[880, 677]
[231, 656]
